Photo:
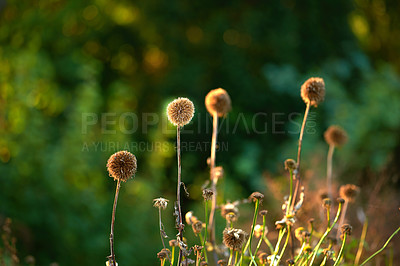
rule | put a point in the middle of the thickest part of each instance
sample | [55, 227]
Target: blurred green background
[80, 80]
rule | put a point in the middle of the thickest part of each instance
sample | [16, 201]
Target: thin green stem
[173, 255]
[341, 251]
[328, 230]
[384, 246]
[346, 203]
[230, 256]
[328, 216]
[301, 252]
[261, 238]
[178, 192]
[290, 192]
[362, 242]
[299, 155]
[248, 244]
[278, 243]
[329, 170]
[284, 246]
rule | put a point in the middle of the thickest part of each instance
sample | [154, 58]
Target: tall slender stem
[112, 223]
[339, 256]
[362, 242]
[205, 231]
[284, 246]
[384, 246]
[346, 203]
[178, 192]
[213, 179]
[329, 170]
[299, 155]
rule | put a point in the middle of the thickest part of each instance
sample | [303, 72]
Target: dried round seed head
[207, 194]
[346, 229]
[122, 165]
[256, 196]
[197, 227]
[163, 254]
[349, 192]
[290, 261]
[263, 212]
[180, 111]
[290, 164]
[227, 208]
[313, 91]
[234, 238]
[160, 203]
[335, 135]
[218, 101]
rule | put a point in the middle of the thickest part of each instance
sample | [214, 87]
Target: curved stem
[213, 180]
[362, 242]
[329, 170]
[290, 191]
[299, 154]
[346, 203]
[112, 222]
[384, 246]
[341, 251]
[328, 230]
[248, 244]
[284, 246]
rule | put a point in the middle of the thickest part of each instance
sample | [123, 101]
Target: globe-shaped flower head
[218, 101]
[313, 91]
[122, 165]
[180, 111]
[335, 135]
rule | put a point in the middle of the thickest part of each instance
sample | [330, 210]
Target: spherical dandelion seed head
[180, 111]
[313, 91]
[160, 203]
[234, 238]
[349, 192]
[218, 101]
[336, 136]
[122, 165]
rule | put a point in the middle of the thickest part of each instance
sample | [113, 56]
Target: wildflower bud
[122, 165]
[290, 164]
[340, 200]
[160, 203]
[327, 203]
[180, 112]
[263, 212]
[263, 257]
[335, 136]
[218, 101]
[346, 229]
[313, 91]
[222, 262]
[218, 172]
[299, 233]
[227, 208]
[349, 192]
[256, 196]
[173, 243]
[231, 217]
[234, 238]
[163, 254]
[197, 227]
[207, 194]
